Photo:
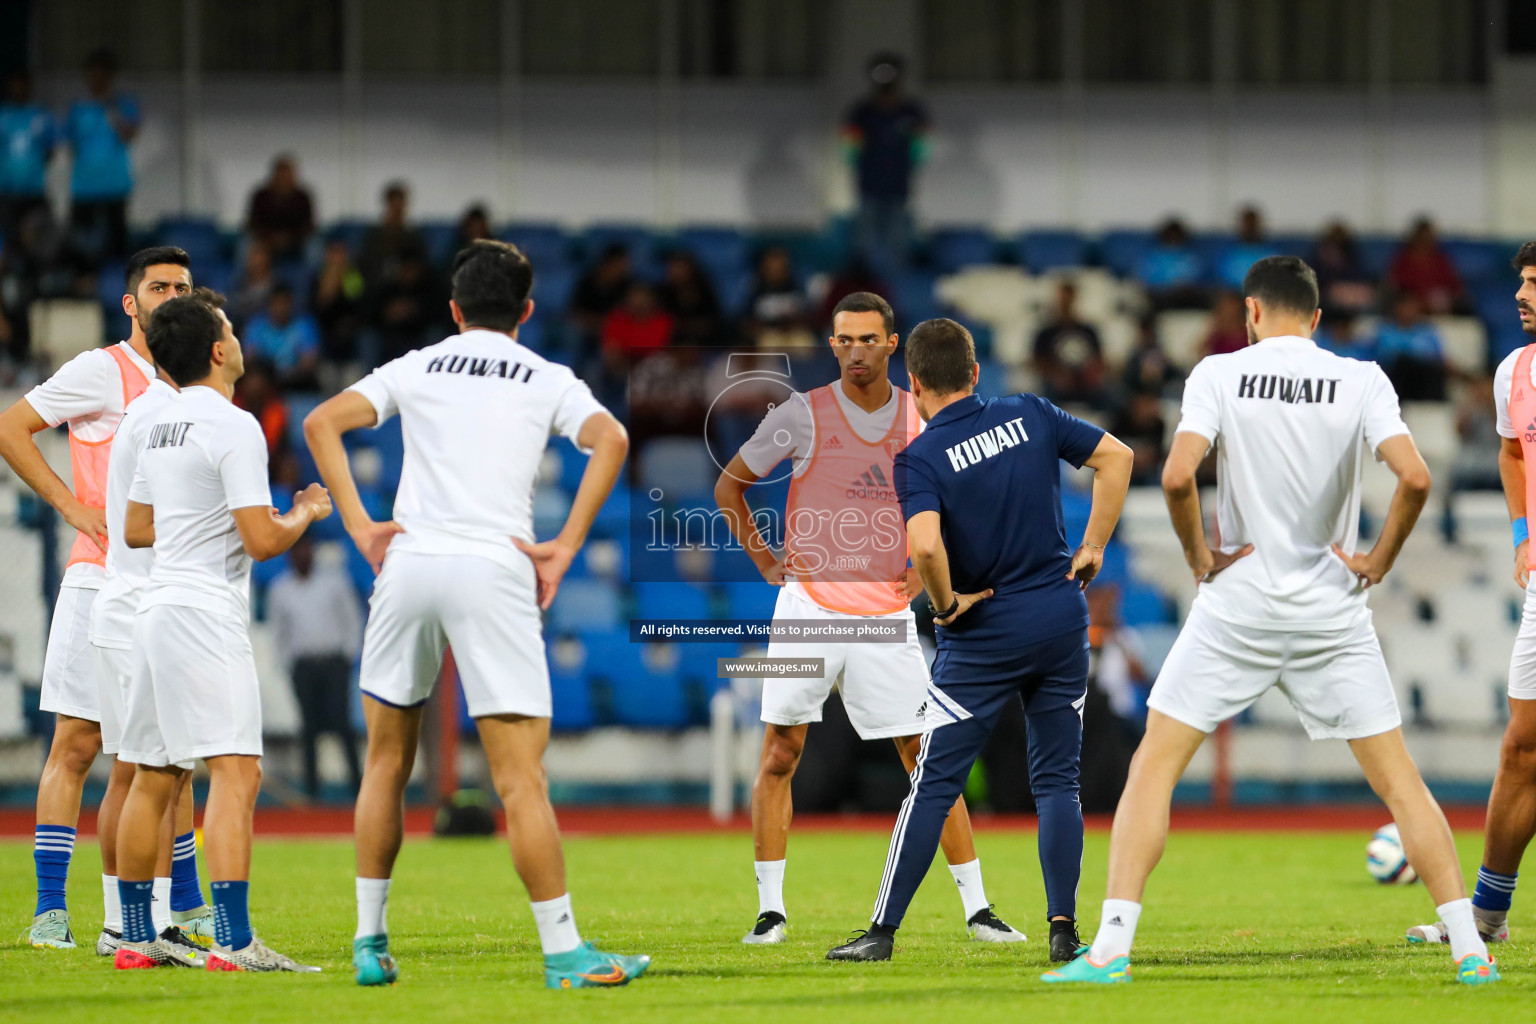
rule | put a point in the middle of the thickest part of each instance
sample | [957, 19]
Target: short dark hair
[1282, 282]
[154, 256]
[942, 356]
[867, 302]
[1526, 257]
[182, 334]
[491, 282]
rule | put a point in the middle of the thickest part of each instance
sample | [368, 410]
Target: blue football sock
[1494, 891]
[186, 891]
[52, 846]
[231, 914]
[138, 918]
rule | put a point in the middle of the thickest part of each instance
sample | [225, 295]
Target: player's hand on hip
[777, 573]
[910, 584]
[551, 559]
[1086, 563]
[1365, 568]
[317, 498]
[1522, 564]
[967, 601]
[90, 521]
[1216, 562]
[373, 541]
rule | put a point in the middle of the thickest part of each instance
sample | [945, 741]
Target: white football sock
[160, 909]
[557, 925]
[972, 893]
[372, 902]
[1117, 930]
[1462, 929]
[770, 885]
[112, 904]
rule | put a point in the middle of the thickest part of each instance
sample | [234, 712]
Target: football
[1385, 859]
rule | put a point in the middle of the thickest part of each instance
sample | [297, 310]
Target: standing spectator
[687, 295]
[474, 225]
[1423, 268]
[28, 134]
[778, 313]
[1251, 245]
[281, 216]
[1148, 370]
[392, 241]
[257, 394]
[1408, 349]
[408, 309]
[249, 291]
[318, 626]
[1228, 331]
[639, 324]
[99, 127]
[885, 136]
[1343, 283]
[598, 292]
[287, 339]
[1140, 425]
[1068, 355]
[1172, 271]
[338, 302]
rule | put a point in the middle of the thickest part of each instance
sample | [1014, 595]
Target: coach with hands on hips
[980, 489]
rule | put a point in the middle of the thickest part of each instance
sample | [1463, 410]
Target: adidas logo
[1115, 922]
[875, 477]
[871, 484]
[831, 442]
[1532, 425]
[922, 710]
[563, 919]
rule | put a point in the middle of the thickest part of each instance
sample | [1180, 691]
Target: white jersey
[202, 458]
[1503, 378]
[127, 569]
[1289, 419]
[87, 394]
[477, 411]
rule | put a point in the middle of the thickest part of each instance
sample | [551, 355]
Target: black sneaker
[182, 950]
[1065, 945]
[986, 926]
[768, 930]
[864, 946]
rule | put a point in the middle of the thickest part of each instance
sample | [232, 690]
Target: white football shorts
[69, 666]
[487, 610]
[193, 692]
[884, 685]
[1522, 659]
[1335, 679]
[114, 669]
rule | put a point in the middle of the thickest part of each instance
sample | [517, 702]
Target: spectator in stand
[885, 137]
[1139, 423]
[597, 293]
[392, 242]
[1119, 669]
[249, 292]
[28, 135]
[637, 325]
[778, 313]
[318, 625]
[1251, 246]
[257, 394]
[410, 309]
[1228, 331]
[1343, 283]
[689, 297]
[1423, 268]
[1475, 466]
[1172, 271]
[1068, 356]
[1408, 349]
[1340, 334]
[338, 300]
[100, 127]
[281, 216]
[287, 339]
[1148, 370]
[474, 225]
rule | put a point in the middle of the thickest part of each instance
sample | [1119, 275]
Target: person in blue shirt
[287, 339]
[28, 134]
[980, 489]
[885, 139]
[1408, 348]
[99, 127]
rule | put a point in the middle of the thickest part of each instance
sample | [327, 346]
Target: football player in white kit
[91, 394]
[200, 496]
[458, 565]
[1282, 596]
[842, 440]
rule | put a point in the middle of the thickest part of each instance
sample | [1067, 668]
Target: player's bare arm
[17, 425]
[1402, 457]
[1111, 463]
[932, 564]
[608, 441]
[266, 534]
[323, 428]
[731, 496]
[139, 525]
[1512, 474]
[1183, 497]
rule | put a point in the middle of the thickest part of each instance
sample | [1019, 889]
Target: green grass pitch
[1238, 927]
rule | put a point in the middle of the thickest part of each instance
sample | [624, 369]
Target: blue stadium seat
[914, 297]
[1478, 261]
[652, 697]
[219, 274]
[699, 664]
[680, 467]
[552, 290]
[723, 252]
[585, 605]
[734, 292]
[746, 600]
[391, 446]
[1052, 250]
[199, 236]
[351, 231]
[546, 245]
[572, 700]
[993, 382]
[953, 249]
[671, 601]
[441, 237]
[1122, 249]
[637, 238]
[1376, 254]
[1143, 605]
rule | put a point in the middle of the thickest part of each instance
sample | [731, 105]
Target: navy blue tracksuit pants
[1051, 677]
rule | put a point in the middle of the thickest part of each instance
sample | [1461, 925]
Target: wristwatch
[954, 606]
